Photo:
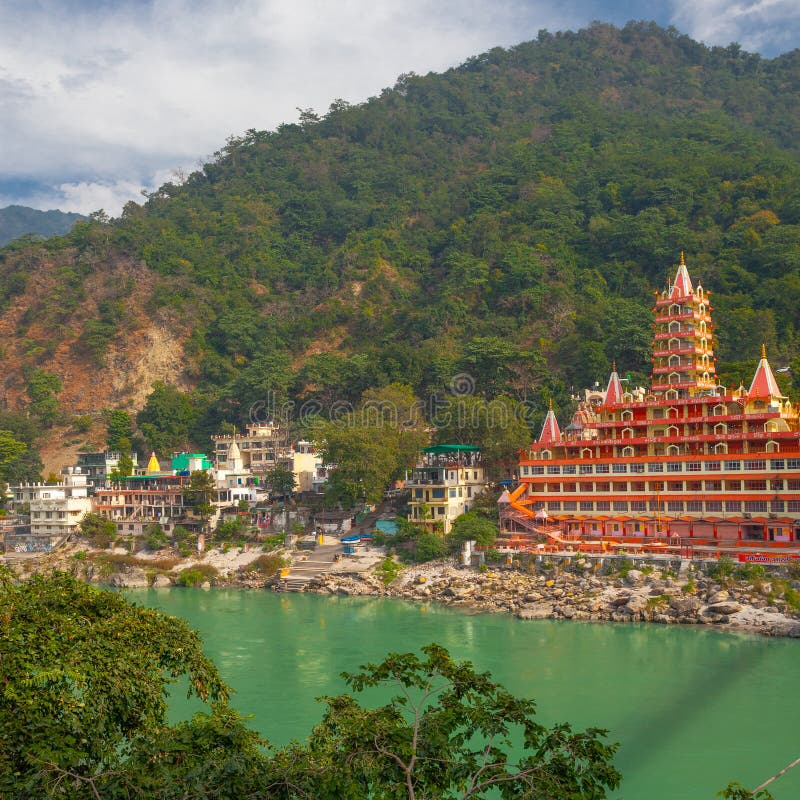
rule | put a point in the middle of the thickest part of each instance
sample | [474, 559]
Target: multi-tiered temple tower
[686, 458]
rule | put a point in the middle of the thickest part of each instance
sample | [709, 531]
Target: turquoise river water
[691, 708]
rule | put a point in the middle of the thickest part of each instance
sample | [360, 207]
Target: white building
[444, 485]
[56, 509]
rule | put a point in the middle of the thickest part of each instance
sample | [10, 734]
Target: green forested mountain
[508, 219]
[18, 220]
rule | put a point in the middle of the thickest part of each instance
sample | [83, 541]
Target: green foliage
[735, 791]
[268, 565]
[371, 444]
[200, 493]
[167, 418]
[749, 572]
[231, 529]
[84, 676]
[43, 388]
[99, 530]
[723, 567]
[119, 430]
[471, 526]
[447, 733]
[280, 480]
[155, 538]
[196, 575]
[388, 570]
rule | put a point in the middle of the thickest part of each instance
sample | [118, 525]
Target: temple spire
[551, 433]
[764, 385]
[614, 388]
[682, 286]
[152, 465]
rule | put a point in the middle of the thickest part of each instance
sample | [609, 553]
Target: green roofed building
[190, 462]
[444, 485]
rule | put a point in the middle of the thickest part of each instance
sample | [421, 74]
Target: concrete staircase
[319, 561]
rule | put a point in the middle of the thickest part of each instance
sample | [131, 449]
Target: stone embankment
[635, 597]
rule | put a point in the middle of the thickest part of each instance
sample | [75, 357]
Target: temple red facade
[687, 458]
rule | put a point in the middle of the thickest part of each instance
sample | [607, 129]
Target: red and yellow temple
[688, 458]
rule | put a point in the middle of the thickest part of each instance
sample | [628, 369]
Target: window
[733, 505]
[675, 505]
[452, 493]
[537, 470]
[657, 467]
[637, 467]
[437, 494]
[776, 463]
[793, 486]
[675, 486]
[587, 505]
[569, 505]
[755, 506]
[694, 505]
[568, 469]
[733, 465]
[602, 469]
[554, 505]
[586, 469]
[637, 486]
[638, 505]
[793, 463]
[694, 486]
[620, 505]
[568, 487]
[674, 466]
[714, 505]
[553, 470]
[524, 470]
[734, 486]
[712, 466]
[713, 486]
[656, 486]
[755, 486]
[755, 464]
[620, 468]
[694, 466]
[603, 505]
[602, 487]
[793, 505]
[776, 505]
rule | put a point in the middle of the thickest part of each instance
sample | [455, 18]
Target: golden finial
[614, 365]
[763, 351]
[683, 262]
[551, 403]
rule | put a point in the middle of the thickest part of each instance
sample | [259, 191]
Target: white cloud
[757, 25]
[106, 96]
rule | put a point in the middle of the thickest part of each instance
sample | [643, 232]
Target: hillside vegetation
[508, 219]
[16, 221]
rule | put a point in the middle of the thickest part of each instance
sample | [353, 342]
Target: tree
[99, 530]
[167, 418]
[43, 388]
[83, 677]
[120, 430]
[280, 480]
[200, 493]
[447, 733]
[472, 526]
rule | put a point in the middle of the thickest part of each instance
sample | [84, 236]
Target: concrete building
[55, 510]
[444, 485]
[98, 466]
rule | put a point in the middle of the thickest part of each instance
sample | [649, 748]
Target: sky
[100, 99]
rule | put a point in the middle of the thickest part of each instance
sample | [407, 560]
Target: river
[692, 708]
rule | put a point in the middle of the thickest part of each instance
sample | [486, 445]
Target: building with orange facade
[686, 459]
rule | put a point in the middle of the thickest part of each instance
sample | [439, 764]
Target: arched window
[719, 410]
[546, 454]
[627, 433]
[720, 427]
[721, 448]
[626, 416]
[586, 453]
[674, 377]
[673, 450]
[674, 326]
[674, 360]
[672, 431]
[672, 394]
[674, 343]
[672, 413]
[628, 452]
[772, 446]
[674, 309]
